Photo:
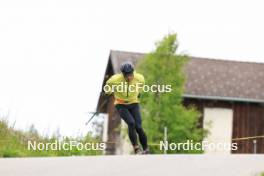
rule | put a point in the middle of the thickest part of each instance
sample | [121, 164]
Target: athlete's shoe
[145, 152]
[137, 151]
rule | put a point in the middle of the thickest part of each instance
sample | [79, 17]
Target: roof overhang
[223, 98]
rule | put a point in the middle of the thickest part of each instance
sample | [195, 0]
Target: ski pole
[97, 112]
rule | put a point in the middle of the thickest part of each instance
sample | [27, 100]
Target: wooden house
[229, 93]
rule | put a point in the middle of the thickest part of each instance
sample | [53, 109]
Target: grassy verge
[14, 143]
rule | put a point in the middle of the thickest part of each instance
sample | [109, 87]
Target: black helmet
[127, 68]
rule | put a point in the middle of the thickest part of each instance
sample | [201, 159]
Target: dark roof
[213, 78]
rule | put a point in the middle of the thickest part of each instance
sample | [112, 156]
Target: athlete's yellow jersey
[125, 92]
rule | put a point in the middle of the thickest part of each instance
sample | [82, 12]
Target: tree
[164, 66]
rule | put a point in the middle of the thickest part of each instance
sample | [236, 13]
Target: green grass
[14, 143]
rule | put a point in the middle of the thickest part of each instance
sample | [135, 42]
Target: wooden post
[165, 139]
[255, 146]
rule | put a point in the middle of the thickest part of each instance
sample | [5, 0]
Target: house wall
[248, 120]
[219, 121]
[113, 130]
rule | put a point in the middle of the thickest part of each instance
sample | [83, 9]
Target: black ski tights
[131, 115]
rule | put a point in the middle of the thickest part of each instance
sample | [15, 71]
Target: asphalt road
[144, 165]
